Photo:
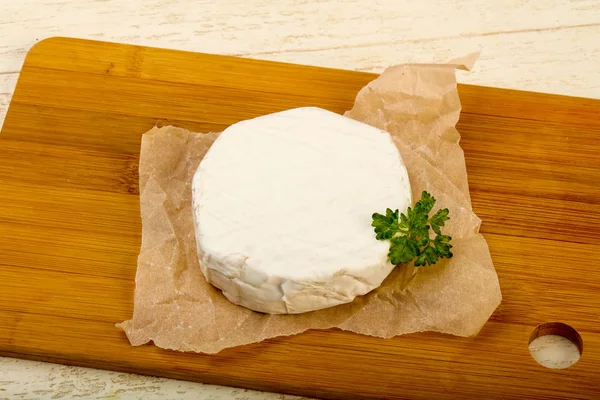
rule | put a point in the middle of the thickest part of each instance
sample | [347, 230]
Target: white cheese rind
[282, 210]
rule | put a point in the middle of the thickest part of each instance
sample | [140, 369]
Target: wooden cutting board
[70, 225]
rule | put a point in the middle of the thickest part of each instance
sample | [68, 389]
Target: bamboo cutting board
[70, 226]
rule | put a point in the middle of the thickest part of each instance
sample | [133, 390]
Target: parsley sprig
[409, 235]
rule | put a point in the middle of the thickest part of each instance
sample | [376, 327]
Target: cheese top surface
[283, 205]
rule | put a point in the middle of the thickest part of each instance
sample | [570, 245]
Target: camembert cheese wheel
[282, 210]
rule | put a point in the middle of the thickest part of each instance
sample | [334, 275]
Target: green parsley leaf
[409, 233]
[439, 219]
[427, 257]
[443, 246]
[386, 226]
[402, 250]
[425, 204]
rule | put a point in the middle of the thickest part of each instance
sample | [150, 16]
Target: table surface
[545, 46]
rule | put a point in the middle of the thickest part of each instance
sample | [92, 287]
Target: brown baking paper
[177, 309]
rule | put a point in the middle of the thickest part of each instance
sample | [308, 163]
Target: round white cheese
[282, 207]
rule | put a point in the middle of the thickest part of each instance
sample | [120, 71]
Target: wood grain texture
[544, 46]
[69, 225]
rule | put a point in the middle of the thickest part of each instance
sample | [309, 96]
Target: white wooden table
[543, 45]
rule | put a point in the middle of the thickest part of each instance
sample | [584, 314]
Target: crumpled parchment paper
[177, 309]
